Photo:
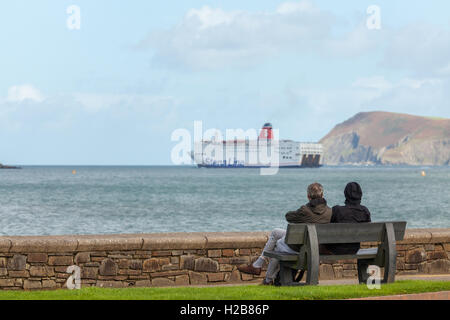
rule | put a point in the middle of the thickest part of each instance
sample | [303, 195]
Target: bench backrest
[344, 232]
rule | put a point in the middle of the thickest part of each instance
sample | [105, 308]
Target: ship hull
[255, 167]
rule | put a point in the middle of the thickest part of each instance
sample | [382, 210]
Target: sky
[107, 82]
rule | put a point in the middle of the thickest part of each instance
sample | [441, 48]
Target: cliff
[388, 138]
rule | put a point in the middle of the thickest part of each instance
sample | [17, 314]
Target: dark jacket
[315, 211]
[352, 212]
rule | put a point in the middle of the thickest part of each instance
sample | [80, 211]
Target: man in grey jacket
[315, 211]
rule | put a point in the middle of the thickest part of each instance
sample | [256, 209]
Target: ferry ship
[243, 154]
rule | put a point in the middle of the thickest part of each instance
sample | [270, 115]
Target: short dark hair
[315, 190]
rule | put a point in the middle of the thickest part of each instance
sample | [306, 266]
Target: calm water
[52, 200]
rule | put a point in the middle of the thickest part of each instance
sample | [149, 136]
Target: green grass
[249, 292]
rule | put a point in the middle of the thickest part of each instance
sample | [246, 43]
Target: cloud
[425, 96]
[422, 48]
[209, 38]
[24, 92]
[375, 82]
[25, 108]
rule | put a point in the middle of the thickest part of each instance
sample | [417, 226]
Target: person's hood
[318, 206]
[353, 193]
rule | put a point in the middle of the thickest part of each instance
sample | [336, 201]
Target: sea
[55, 200]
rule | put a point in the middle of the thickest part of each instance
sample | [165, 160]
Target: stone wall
[172, 259]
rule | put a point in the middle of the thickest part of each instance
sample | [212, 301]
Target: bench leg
[312, 256]
[363, 264]
[390, 254]
[286, 275]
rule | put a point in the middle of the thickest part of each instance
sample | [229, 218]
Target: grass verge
[249, 292]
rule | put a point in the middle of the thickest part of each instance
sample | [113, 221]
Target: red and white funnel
[266, 132]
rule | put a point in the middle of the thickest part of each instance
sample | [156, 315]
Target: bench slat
[369, 253]
[344, 232]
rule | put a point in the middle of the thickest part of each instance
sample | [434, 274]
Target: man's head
[315, 191]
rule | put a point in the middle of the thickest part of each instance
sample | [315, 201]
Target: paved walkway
[430, 277]
[441, 295]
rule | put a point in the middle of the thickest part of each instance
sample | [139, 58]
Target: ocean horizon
[99, 199]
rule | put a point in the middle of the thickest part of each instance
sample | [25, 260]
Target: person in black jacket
[352, 212]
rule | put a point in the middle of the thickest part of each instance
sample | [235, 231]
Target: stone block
[245, 252]
[37, 257]
[246, 277]
[110, 284]
[89, 272]
[349, 273]
[151, 265]
[326, 272]
[174, 241]
[7, 282]
[60, 260]
[161, 253]
[44, 244]
[123, 263]
[235, 276]
[32, 284]
[416, 255]
[136, 264]
[439, 267]
[41, 271]
[5, 244]
[338, 272]
[436, 255]
[348, 266]
[167, 267]
[108, 268]
[440, 235]
[206, 264]
[82, 257]
[227, 252]
[3, 271]
[168, 274]
[18, 274]
[143, 283]
[215, 277]
[17, 262]
[162, 282]
[196, 278]
[239, 260]
[109, 243]
[416, 236]
[214, 253]
[225, 240]
[225, 267]
[182, 280]
[130, 272]
[49, 284]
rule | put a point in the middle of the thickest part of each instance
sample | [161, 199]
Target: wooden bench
[309, 236]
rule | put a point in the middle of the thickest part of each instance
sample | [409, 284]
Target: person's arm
[297, 216]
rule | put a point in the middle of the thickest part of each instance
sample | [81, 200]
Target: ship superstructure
[248, 153]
